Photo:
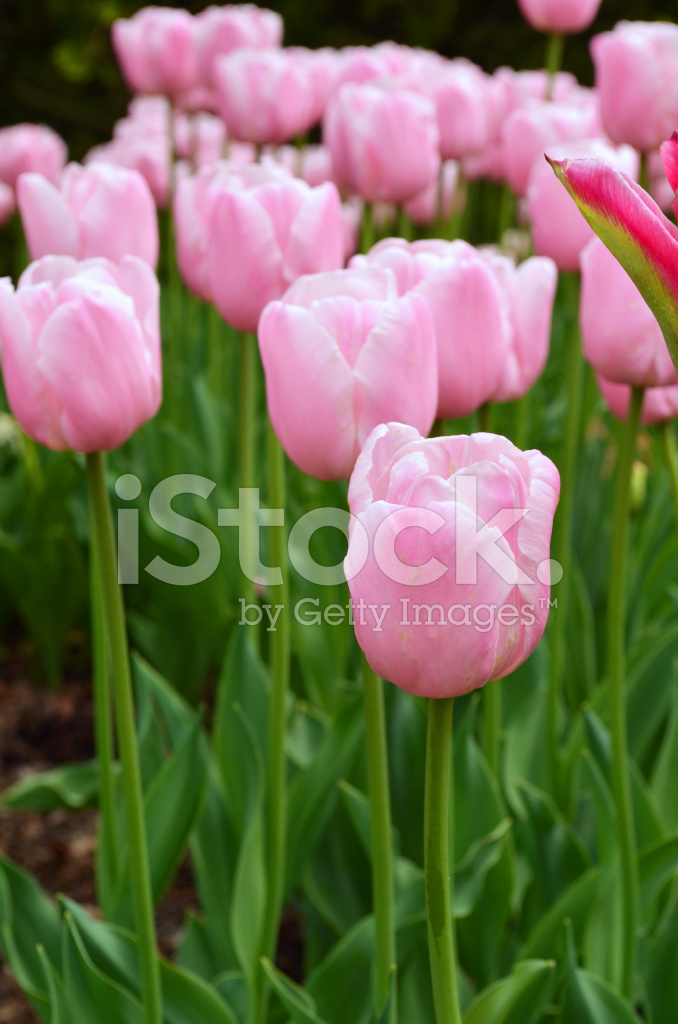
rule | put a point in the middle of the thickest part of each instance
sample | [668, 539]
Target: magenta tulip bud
[659, 404]
[558, 228]
[384, 142]
[7, 204]
[559, 17]
[30, 147]
[156, 50]
[264, 230]
[529, 131]
[80, 346]
[636, 81]
[621, 337]
[492, 319]
[264, 96]
[98, 210]
[220, 30]
[342, 353]
[450, 545]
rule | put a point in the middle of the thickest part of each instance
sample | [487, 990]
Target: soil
[39, 730]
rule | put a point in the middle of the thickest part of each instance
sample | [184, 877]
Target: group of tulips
[366, 355]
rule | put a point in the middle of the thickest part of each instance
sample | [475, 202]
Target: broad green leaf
[294, 999]
[659, 965]
[519, 999]
[342, 986]
[591, 1000]
[71, 787]
[575, 904]
[657, 865]
[89, 994]
[58, 1009]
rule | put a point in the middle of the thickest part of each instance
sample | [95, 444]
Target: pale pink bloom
[659, 404]
[30, 147]
[559, 16]
[156, 50]
[199, 138]
[438, 199]
[221, 30]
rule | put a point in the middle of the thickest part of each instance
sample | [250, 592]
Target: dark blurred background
[57, 65]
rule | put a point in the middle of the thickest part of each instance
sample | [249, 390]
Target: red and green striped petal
[635, 231]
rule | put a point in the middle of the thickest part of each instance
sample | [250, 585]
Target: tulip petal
[48, 223]
[635, 231]
[669, 152]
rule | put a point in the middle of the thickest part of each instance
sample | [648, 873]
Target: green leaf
[591, 1000]
[575, 904]
[657, 865]
[342, 986]
[69, 787]
[663, 784]
[89, 994]
[518, 999]
[294, 999]
[58, 1008]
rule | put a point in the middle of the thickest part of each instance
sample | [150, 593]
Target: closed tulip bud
[98, 210]
[636, 81]
[199, 138]
[558, 228]
[156, 50]
[559, 16]
[492, 319]
[191, 207]
[80, 345]
[264, 230]
[149, 155]
[659, 404]
[460, 91]
[220, 30]
[529, 131]
[621, 337]
[30, 147]
[342, 353]
[383, 141]
[450, 544]
[264, 96]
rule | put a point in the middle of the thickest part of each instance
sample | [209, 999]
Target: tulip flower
[220, 30]
[621, 337]
[149, 155]
[30, 147]
[98, 210]
[492, 319]
[636, 81]
[460, 526]
[191, 206]
[459, 91]
[438, 199]
[660, 405]
[342, 353]
[559, 17]
[264, 96]
[635, 231]
[264, 230]
[384, 141]
[529, 131]
[200, 138]
[558, 228]
[156, 50]
[80, 346]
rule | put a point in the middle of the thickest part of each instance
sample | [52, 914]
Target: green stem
[140, 878]
[507, 209]
[380, 825]
[670, 453]
[215, 350]
[617, 691]
[485, 418]
[367, 228]
[562, 543]
[276, 834]
[247, 440]
[404, 228]
[521, 428]
[554, 61]
[108, 851]
[492, 723]
[437, 811]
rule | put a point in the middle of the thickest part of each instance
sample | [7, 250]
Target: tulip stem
[521, 427]
[670, 453]
[367, 228]
[381, 833]
[438, 803]
[554, 61]
[247, 439]
[107, 844]
[617, 691]
[562, 546]
[114, 614]
[492, 724]
[276, 834]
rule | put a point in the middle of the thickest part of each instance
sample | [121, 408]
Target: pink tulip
[316, 165]
[658, 183]
[80, 349]
[669, 159]
[220, 30]
[558, 228]
[146, 115]
[635, 231]
[200, 138]
[439, 199]
[559, 16]
[659, 404]
[342, 353]
[459, 90]
[264, 230]
[529, 131]
[30, 147]
[264, 96]
[7, 204]
[149, 155]
[636, 81]
[352, 212]
[191, 209]
[156, 50]
[492, 319]
[621, 338]
[97, 211]
[384, 142]
[450, 546]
